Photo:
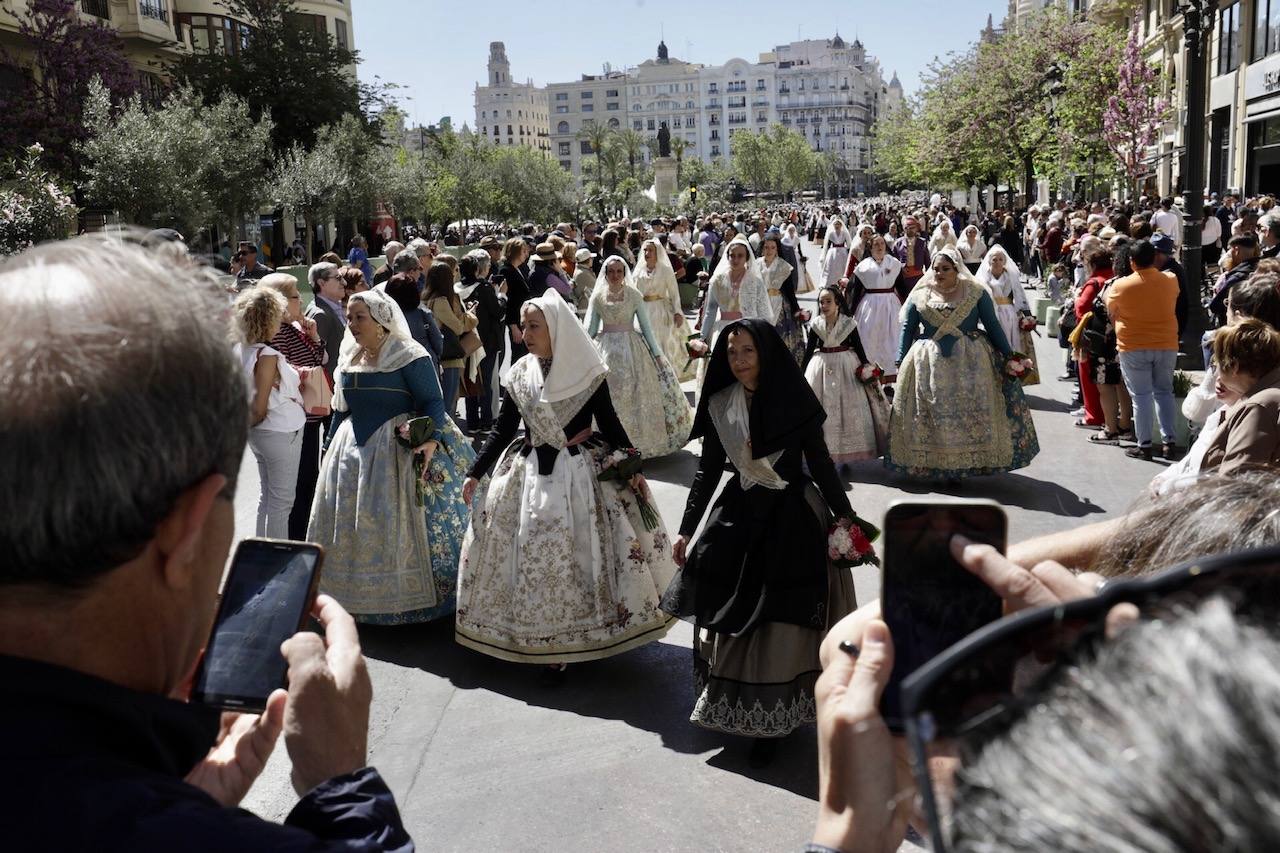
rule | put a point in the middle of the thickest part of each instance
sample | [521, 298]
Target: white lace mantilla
[730, 416]
[545, 421]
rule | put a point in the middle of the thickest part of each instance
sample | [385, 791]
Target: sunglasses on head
[979, 687]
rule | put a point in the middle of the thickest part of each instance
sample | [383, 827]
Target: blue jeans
[449, 382]
[1148, 374]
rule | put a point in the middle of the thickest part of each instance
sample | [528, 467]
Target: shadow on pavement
[1010, 489]
[650, 688]
[1043, 404]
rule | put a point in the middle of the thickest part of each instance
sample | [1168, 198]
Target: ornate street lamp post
[1196, 25]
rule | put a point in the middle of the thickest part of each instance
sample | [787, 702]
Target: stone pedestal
[664, 180]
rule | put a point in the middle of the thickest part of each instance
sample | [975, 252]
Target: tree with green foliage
[185, 163]
[633, 145]
[285, 68]
[752, 161]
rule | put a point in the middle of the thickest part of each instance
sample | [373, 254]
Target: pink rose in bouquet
[849, 543]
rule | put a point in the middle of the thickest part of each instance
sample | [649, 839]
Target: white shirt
[1211, 231]
[679, 241]
[1168, 222]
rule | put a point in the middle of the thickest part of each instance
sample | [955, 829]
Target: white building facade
[510, 113]
[738, 97]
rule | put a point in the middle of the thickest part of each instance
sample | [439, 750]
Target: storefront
[1262, 122]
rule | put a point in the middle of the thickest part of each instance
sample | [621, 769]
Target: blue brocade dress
[956, 413]
[389, 561]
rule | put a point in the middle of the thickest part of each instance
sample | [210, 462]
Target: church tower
[499, 67]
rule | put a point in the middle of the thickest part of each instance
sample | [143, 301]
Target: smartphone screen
[929, 601]
[266, 599]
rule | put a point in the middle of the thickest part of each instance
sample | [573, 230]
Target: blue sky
[437, 51]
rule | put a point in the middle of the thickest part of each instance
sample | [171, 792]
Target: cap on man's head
[584, 256]
[1162, 243]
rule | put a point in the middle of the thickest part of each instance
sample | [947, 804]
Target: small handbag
[317, 397]
[470, 342]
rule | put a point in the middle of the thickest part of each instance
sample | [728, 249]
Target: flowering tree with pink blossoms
[1134, 113]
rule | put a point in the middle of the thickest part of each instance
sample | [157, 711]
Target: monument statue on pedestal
[664, 141]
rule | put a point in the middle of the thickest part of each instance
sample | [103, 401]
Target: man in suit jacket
[327, 311]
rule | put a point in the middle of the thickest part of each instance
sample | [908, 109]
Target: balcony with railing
[737, 119]
[96, 8]
[147, 20]
[737, 103]
[153, 9]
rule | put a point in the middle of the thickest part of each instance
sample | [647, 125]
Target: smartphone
[928, 600]
[266, 600]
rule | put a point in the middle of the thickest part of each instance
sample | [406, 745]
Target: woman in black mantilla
[757, 583]
[557, 565]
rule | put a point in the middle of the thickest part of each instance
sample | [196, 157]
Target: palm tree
[609, 161]
[632, 144]
[597, 136]
[678, 146]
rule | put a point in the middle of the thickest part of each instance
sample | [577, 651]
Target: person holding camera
[111, 582]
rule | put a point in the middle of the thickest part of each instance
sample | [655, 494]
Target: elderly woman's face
[744, 358]
[537, 337]
[293, 311]
[362, 326]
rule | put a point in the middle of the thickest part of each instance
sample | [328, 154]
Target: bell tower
[499, 67]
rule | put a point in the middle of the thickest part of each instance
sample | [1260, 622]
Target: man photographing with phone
[124, 431]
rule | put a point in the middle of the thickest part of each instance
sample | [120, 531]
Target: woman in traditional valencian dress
[860, 249]
[1000, 277]
[736, 291]
[876, 305]
[388, 560]
[649, 401]
[780, 285]
[943, 237]
[756, 582]
[656, 281]
[835, 251]
[957, 412]
[557, 566]
[857, 424]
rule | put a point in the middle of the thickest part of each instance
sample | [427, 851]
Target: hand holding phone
[265, 601]
[928, 599]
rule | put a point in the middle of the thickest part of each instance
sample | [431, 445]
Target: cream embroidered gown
[557, 566]
[857, 424]
[661, 295]
[650, 404]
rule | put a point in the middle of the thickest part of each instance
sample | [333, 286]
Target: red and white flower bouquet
[1018, 365]
[869, 373]
[849, 543]
[1027, 323]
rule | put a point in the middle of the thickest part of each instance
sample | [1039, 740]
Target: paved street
[480, 756]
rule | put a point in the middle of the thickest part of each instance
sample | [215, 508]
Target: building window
[562, 108]
[611, 93]
[612, 105]
[690, 121]
[156, 9]
[587, 108]
[675, 122]
[562, 96]
[586, 96]
[508, 130]
[584, 146]
[566, 165]
[303, 21]
[1266, 28]
[650, 124]
[562, 127]
[216, 33]
[564, 149]
[340, 33]
[1229, 38]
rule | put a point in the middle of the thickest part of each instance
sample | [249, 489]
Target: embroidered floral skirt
[389, 561]
[857, 424]
[671, 337]
[791, 332]
[646, 395]
[558, 567]
[958, 416]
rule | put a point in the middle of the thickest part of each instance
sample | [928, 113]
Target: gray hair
[481, 259]
[108, 413]
[403, 261]
[418, 246]
[317, 273]
[1214, 515]
[1271, 223]
[1163, 742]
[391, 248]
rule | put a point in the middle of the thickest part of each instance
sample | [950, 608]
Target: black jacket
[517, 291]
[90, 765]
[1238, 273]
[490, 307]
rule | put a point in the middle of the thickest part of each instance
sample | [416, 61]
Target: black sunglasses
[969, 690]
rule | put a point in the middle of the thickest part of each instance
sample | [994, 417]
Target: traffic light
[693, 194]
